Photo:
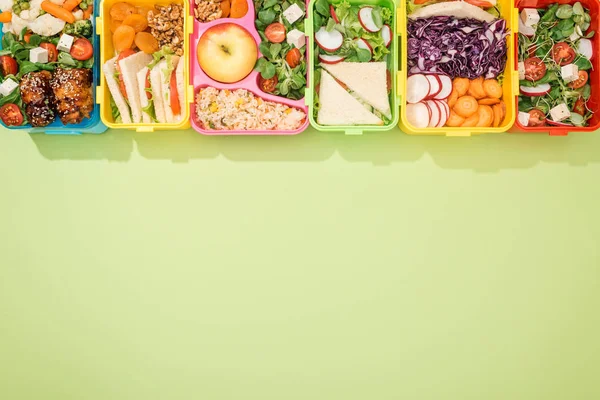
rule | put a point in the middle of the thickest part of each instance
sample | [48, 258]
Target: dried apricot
[137, 22]
[120, 11]
[225, 8]
[114, 24]
[123, 37]
[146, 42]
[144, 10]
[239, 8]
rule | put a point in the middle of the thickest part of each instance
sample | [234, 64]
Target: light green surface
[175, 266]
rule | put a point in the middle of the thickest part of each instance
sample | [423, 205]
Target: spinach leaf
[322, 7]
[583, 63]
[266, 16]
[564, 11]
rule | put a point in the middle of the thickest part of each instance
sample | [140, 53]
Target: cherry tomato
[579, 106]
[52, 52]
[562, 53]
[268, 85]
[581, 80]
[8, 66]
[537, 118]
[11, 115]
[535, 69]
[174, 98]
[275, 32]
[82, 49]
[148, 86]
[293, 58]
[124, 54]
[27, 36]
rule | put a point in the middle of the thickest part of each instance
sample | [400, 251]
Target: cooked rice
[242, 110]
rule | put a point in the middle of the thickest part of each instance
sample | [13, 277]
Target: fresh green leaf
[564, 11]
[267, 16]
[322, 7]
[583, 63]
[377, 19]
[275, 49]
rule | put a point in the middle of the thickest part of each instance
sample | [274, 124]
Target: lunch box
[594, 102]
[88, 125]
[107, 52]
[201, 80]
[510, 84]
[392, 67]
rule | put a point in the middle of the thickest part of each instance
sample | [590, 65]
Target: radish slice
[365, 17]
[556, 123]
[417, 115]
[525, 30]
[446, 112]
[538, 90]
[386, 35]
[585, 48]
[417, 88]
[363, 44]
[329, 41]
[435, 85]
[446, 87]
[330, 59]
[435, 113]
[333, 14]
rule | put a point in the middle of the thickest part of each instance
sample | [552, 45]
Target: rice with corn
[241, 110]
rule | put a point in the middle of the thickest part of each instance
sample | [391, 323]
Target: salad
[46, 62]
[283, 65]
[352, 43]
[457, 53]
[554, 59]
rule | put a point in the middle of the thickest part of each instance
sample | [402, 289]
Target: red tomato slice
[52, 52]
[175, 106]
[579, 107]
[562, 53]
[82, 49]
[148, 86]
[275, 32]
[11, 115]
[293, 58]
[122, 55]
[537, 118]
[581, 80]
[268, 85]
[535, 69]
[8, 66]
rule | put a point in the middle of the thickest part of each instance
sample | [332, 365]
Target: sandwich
[367, 81]
[146, 88]
[339, 107]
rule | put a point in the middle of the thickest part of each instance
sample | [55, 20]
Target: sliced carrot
[239, 8]
[497, 109]
[476, 88]
[58, 12]
[461, 85]
[70, 5]
[471, 121]
[453, 97]
[454, 120]
[492, 88]
[225, 8]
[486, 116]
[488, 101]
[466, 106]
[87, 13]
[5, 17]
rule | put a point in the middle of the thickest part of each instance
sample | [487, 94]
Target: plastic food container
[89, 125]
[107, 52]
[201, 80]
[510, 84]
[394, 100]
[594, 102]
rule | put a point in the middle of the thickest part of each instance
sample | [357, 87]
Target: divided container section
[107, 52]
[594, 102]
[510, 83]
[392, 67]
[201, 80]
[88, 125]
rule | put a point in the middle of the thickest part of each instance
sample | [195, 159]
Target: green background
[175, 266]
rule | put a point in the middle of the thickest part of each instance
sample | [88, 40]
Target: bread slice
[156, 78]
[130, 66]
[367, 80]
[338, 107]
[141, 79]
[109, 72]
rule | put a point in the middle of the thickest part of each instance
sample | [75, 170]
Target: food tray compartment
[594, 102]
[392, 67]
[510, 83]
[201, 80]
[107, 52]
[88, 125]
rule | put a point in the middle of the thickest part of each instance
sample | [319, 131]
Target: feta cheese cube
[560, 113]
[293, 13]
[530, 16]
[569, 72]
[38, 55]
[7, 87]
[296, 38]
[65, 43]
[521, 70]
[523, 118]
